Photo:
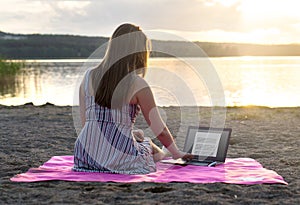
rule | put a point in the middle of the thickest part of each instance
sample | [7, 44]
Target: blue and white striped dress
[106, 142]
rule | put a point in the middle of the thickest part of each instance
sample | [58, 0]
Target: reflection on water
[8, 85]
[266, 81]
[40, 82]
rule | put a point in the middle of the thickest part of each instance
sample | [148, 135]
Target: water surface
[263, 81]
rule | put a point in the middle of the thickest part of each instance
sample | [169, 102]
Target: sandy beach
[30, 135]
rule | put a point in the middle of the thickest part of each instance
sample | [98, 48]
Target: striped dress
[106, 142]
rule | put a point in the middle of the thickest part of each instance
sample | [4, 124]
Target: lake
[262, 81]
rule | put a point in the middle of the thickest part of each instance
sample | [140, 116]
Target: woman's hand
[138, 135]
[183, 155]
[188, 157]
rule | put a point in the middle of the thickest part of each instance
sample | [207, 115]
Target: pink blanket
[236, 171]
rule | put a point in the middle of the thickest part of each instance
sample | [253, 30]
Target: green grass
[8, 67]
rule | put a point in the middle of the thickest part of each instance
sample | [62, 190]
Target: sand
[30, 135]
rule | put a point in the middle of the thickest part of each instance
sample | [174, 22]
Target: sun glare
[268, 9]
[269, 21]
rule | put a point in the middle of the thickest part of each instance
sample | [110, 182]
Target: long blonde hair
[127, 52]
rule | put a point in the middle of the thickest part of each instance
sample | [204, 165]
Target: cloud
[165, 14]
[101, 17]
[191, 18]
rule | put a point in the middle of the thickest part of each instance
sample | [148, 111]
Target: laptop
[208, 145]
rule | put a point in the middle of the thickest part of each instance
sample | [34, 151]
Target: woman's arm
[82, 104]
[152, 116]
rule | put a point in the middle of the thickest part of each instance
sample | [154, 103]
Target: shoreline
[227, 107]
[30, 135]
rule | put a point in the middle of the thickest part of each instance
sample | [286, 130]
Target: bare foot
[138, 135]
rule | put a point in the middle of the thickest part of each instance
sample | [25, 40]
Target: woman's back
[106, 143]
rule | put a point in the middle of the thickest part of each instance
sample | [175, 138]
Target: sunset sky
[247, 21]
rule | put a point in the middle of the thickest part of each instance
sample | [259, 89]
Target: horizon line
[196, 41]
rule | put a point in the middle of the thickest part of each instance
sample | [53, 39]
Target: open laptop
[209, 145]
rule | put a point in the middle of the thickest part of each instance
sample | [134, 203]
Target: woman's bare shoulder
[92, 71]
[139, 88]
[140, 83]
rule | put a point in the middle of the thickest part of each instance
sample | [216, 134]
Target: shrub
[9, 67]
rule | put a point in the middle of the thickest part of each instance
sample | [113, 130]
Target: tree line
[37, 46]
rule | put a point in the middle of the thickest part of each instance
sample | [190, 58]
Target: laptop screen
[208, 144]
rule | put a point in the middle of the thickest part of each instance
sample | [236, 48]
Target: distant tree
[69, 46]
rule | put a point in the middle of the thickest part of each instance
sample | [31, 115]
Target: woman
[111, 96]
